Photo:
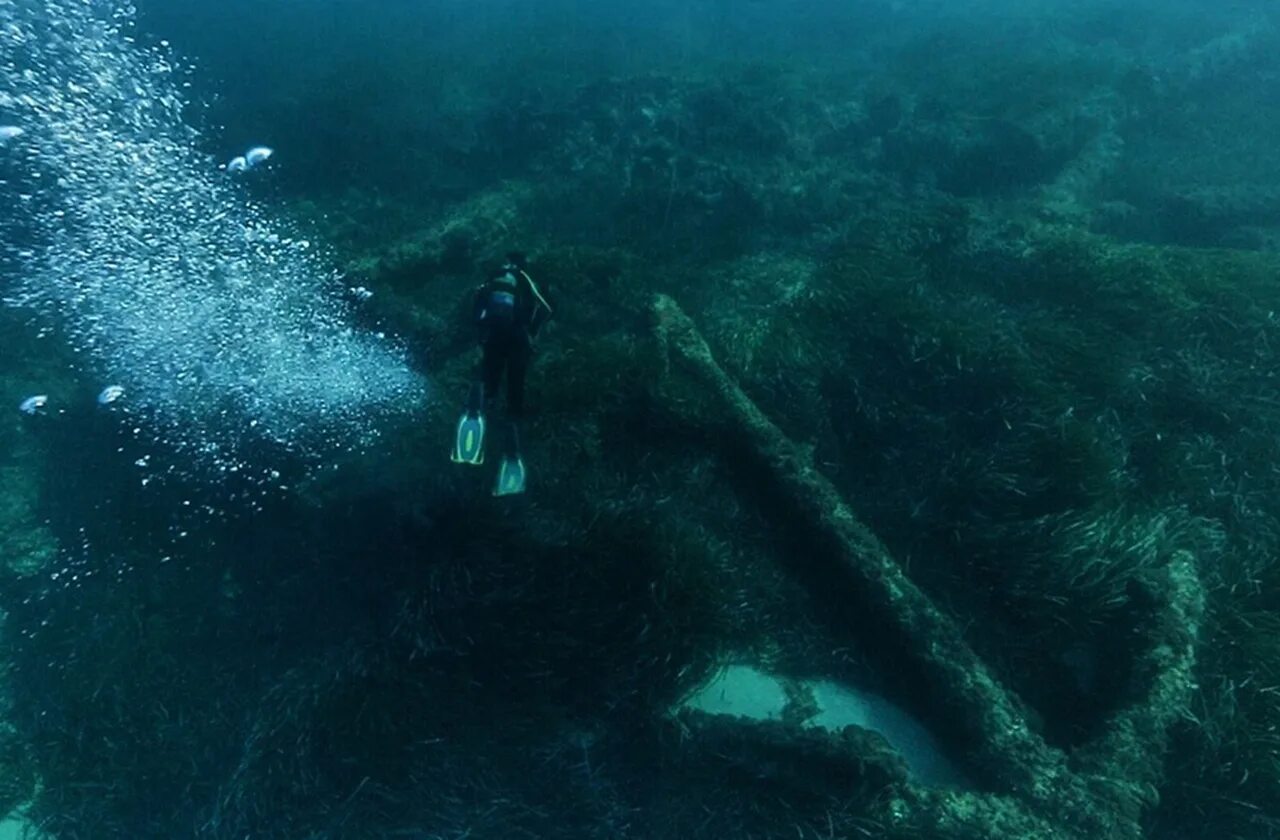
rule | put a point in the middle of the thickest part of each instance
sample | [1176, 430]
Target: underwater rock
[1237, 49]
[455, 243]
[997, 157]
[1073, 193]
[852, 765]
[1211, 216]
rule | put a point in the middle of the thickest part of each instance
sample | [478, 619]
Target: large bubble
[220, 325]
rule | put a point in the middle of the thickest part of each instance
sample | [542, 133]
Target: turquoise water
[898, 444]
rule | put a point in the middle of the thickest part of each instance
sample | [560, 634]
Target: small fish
[237, 164]
[10, 132]
[110, 394]
[361, 293]
[258, 155]
[32, 405]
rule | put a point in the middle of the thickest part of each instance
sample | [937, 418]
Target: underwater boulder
[999, 156]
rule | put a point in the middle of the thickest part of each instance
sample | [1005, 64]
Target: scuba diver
[508, 312]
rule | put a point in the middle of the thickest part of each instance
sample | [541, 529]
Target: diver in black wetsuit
[509, 310]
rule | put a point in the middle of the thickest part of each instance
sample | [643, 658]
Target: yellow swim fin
[511, 471]
[511, 476]
[468, 440]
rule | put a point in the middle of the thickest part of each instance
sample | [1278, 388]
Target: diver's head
[515, 261]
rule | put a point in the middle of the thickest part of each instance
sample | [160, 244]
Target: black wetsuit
[509, 310]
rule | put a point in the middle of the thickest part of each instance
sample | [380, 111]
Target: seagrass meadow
[904, 449]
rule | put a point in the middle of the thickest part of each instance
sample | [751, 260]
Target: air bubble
[225, 327]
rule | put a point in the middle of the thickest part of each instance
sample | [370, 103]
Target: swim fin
[468, 443]
[511, 471]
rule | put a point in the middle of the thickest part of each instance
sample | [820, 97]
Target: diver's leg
[491, 371]
[517, 367]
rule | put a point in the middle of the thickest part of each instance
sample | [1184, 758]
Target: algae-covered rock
[465, 235]
[17, 782]
[26, 546]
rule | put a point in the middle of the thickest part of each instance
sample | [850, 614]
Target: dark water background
[1006, 272]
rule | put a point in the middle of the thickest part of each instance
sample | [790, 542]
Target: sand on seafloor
[11, 828]
[742, 690]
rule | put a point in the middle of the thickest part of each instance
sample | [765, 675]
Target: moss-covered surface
[981, 437]
[32, 366]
